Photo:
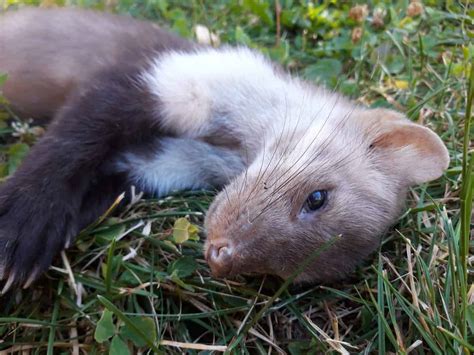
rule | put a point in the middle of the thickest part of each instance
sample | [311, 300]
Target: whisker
[314, 139]
[298, 172]
[247, 160]
[290, 190]
[263, 174]
[321, 149]
[284, 156]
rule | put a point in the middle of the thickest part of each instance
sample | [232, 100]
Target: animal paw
[34, 227]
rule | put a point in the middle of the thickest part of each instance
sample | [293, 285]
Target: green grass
[416, 295]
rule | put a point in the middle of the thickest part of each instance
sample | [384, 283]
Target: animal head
[319, 166]
[344, 178]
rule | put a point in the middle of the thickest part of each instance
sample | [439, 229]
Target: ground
[138, 277]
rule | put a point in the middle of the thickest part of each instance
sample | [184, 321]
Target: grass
[138, 277]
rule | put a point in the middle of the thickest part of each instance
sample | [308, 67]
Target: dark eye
[315, 200]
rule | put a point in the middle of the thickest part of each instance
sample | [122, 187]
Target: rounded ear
[413, 153]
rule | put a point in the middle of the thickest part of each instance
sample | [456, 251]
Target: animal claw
[8, 284]
[31, 278]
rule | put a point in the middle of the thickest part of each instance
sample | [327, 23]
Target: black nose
[219, 258]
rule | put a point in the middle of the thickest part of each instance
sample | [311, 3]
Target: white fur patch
[193, 86]
[239, 92]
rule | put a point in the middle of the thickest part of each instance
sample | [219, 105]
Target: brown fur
[47, 53]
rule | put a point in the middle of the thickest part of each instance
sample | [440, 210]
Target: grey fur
[178, 164]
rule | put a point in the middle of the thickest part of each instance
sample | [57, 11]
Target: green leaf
[130, 323]
[163, 6]
[16, 152]
[325, 71]
[299, 347]
[175, 278]
[280, 53]
[110, 265]
[180, 22]
[183, 231]
[349, 87]
[145, 325]
[169, 246]
[470, 317]
[118, 347]
[105, 327]
[395, 64]
[106, 235]
[183, 267]
[458, 69]
[3, 78]
[261, 9]
[241, 37]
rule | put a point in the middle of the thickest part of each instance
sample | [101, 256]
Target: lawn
[137, 278]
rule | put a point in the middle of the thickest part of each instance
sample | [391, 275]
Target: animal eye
[315, 200]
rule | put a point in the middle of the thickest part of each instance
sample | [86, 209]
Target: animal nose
[219, 258]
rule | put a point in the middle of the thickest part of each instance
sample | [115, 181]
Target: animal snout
[219, 257]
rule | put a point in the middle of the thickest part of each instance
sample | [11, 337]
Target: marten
[132, 104]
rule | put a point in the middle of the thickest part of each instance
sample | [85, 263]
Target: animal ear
[412, 153]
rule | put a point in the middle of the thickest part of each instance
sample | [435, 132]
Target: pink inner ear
[417, 152]
[402, 135]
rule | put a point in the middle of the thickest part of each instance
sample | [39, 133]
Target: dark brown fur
[102, 112]
[41, 77]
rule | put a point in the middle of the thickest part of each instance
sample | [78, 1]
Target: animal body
[132, 104]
